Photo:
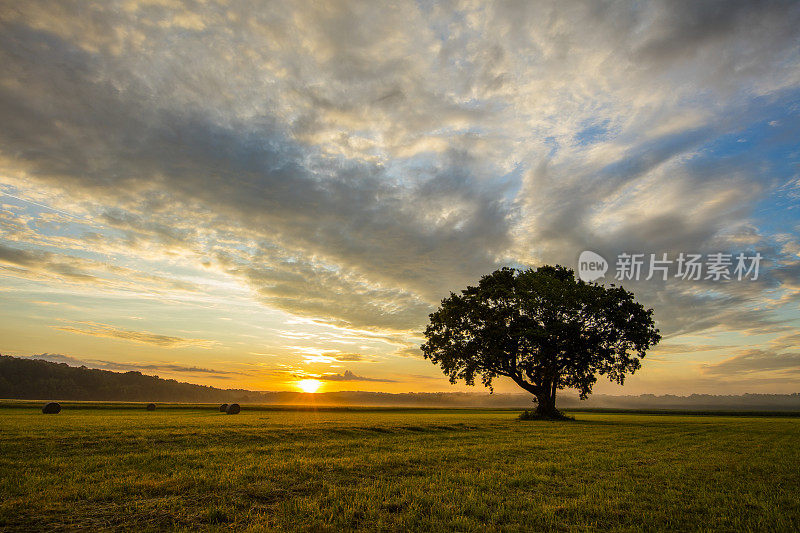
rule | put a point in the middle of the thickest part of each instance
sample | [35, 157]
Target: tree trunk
[546, 405]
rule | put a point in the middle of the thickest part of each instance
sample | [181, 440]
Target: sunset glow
[237, 196]
[309, 385]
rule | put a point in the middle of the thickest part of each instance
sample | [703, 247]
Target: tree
[544, 329]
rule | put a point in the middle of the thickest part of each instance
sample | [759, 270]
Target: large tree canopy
[544, 329]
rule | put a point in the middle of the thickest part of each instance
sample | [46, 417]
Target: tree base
[535, 415]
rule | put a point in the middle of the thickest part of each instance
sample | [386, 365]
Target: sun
[309, 385]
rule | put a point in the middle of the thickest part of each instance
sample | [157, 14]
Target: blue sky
[254, 194]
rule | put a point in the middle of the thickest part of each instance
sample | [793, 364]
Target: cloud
[349, 216]
[754, 362]
[143, 337]
[672, 348]
[789, 341]
[117, 366]
[358, 170]
[18, 257]
[349, 376]
[63, 267]
[352, 357]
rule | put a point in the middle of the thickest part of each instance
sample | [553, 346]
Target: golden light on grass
[309, 385]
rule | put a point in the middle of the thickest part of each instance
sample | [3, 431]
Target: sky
[257, 194]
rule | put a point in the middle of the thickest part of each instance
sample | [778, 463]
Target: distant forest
[35, 379]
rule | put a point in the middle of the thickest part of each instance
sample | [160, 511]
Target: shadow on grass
[556, 417]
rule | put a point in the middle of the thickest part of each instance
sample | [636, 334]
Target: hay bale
[233, 409]
[151, 407]
[223, 408]
[52, 408]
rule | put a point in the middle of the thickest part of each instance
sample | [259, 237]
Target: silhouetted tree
[544, 329]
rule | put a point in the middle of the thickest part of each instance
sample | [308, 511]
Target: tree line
[34, 379]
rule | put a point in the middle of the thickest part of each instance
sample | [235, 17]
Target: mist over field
[38, 380]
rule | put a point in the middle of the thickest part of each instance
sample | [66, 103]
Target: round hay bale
[233, 409]
[52, 408]
[223, 408]
[151, 407]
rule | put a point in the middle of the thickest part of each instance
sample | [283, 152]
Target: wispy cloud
[117, 366]
[755, 362]
[144, 337]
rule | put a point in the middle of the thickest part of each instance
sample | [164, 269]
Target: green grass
[334, 470]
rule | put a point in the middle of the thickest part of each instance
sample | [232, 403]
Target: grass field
[336, 470]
